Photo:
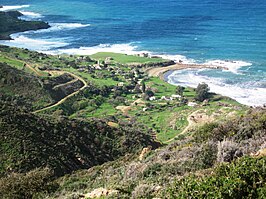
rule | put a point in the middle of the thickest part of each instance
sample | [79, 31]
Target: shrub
[143, 191]
[202, 92]
[27, 185]
[243, 178]
[206, 156]
[152, 170]
[204, 132]
[227, 150]
[180, 90]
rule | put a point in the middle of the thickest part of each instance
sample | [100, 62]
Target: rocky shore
[11, 23]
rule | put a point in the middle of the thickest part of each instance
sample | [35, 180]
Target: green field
[12, 62]
[89, 78]
[125, 59]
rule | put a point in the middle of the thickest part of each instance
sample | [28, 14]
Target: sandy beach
[160, 71]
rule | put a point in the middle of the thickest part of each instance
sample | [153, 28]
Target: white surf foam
[116, 48]
[30, 15]
[69, 25]
[17, 7]
[245, 94]
[233, 66]
[33, 44]
[129, 49]
[178, 58]
[61, 26]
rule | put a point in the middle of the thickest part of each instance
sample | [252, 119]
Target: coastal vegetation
[72, 125]
[118, 90]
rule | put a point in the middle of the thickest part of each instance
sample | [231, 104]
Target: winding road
[190, 123]
[68, 96]
[76, 78]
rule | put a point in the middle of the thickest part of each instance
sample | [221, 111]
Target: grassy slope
[125, 59]
[211, 174]
[89, 78]
[22, 88]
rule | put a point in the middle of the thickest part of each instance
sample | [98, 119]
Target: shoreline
[161, 71]
[23, 25]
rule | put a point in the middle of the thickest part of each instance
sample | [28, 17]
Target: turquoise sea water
[220, 32]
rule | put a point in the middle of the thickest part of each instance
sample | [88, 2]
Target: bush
[206, 156]
[152, 170]
[202, 92]
[27, 185]
[204, 132]
[143, 191]
[227, 150]
[243, 178]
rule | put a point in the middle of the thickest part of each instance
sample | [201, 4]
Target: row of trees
[202, 92]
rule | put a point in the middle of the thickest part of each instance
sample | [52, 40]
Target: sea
[212, 32]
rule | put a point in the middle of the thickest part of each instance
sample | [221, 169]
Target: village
[121, 88]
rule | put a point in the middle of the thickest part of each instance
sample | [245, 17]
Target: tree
[143, 86]
[99, 100]
[149, 93]
[183, 101]
[180, 90]
[137, 89]
[202, 92]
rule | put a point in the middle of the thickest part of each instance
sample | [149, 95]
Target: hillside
[10, 23]
[29, 141]
[221, 160]
[31, 91]
[214, 162]
[22, 88]
[76, 126]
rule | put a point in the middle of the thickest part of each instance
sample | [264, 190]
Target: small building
[192, 104]
[108, 60]
[120, 84]
[152, 98]
[163, 98]
[144, 109]
[98, 67]
[144, 55]
[175, 96]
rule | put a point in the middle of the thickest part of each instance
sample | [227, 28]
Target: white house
[152, 98]
[175, 96]
[121, 84]
[163, 98]
[192, 104]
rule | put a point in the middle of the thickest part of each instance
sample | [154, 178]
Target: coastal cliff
[10, 23]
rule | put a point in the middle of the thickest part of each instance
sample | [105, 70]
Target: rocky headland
[11, 23]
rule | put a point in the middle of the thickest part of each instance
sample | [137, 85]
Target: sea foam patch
[246, 93]
[178, 58]
[69, 25]
[16, 7]
[129, 49]
[116, 48]
[62, 26]
[30, 15]
[233, 66]
[22, 41]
